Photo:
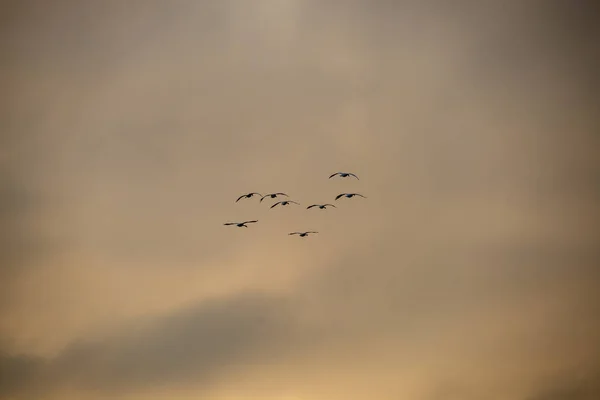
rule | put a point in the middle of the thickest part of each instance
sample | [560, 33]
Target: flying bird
[273, 195]
[349, 195]
[321, 206]
[249, 195]
[343, 175]
[284, 203]
[302, 234]
[241, 224]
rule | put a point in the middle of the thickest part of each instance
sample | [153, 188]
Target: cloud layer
[130, 128]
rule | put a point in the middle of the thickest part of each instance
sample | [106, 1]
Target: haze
[130, 127]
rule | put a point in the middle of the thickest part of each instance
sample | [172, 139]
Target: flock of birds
[244, 224]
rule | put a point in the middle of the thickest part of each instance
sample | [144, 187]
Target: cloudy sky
[129, 128]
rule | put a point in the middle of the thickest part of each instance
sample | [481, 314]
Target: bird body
[247, 196]
[343, 175]
[349, 195]
[273, 195]
[284, 203]
[241, 224]
[302, 234]
[321, 206]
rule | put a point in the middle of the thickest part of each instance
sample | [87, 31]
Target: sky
[129, 128]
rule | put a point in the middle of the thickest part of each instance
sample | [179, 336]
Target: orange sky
[130, 127]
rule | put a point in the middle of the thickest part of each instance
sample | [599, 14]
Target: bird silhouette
[349, 195]
[284, 203]
[241, 224]
[321, 206]
[273, 195]
[301, 234]
[343, 175]
[249, 195]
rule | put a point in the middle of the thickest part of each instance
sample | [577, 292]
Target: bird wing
[293, 202]
[256, 193]
[230, 223]
[354, 176]
[263, 197]
[294, 233]
[332, 175]
[283, 194]
[275, 204]
[314, 205]
[250, 222]
[241, 197]
[358, 194]
[329, 205]
[311, 232]
[340, 195]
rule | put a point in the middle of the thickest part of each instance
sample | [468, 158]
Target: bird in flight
[302, 234]
[321, 206]
[249, 195]
[273, 195]
[241, 224]
[343, 175]
[349, 195]
[284, 203]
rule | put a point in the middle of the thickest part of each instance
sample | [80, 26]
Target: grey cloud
[19, 372]
[565, 385]
[16, 209]
[195, 344]
[152, 116]
[579, 382]
[362, 295]
[21, 243]
[574, 388]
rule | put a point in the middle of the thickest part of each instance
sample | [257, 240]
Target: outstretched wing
[250, 222]
[294, 233]
[256, 193]
[329, 205]
[332, 175]
[241, 197]
[263, 197]
[230, 223]
[311, 232]
[340, 195]
[276, 204]
[290, 201]
[358, 194]
[283, 194]
[314, 205]
[354, 176]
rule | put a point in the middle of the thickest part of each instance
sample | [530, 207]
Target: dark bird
[349, 195]
[284, 203]
[273, 195]
[321, 206]
[247, 196]
[302, 234]
[241, 224]
[343, 175]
